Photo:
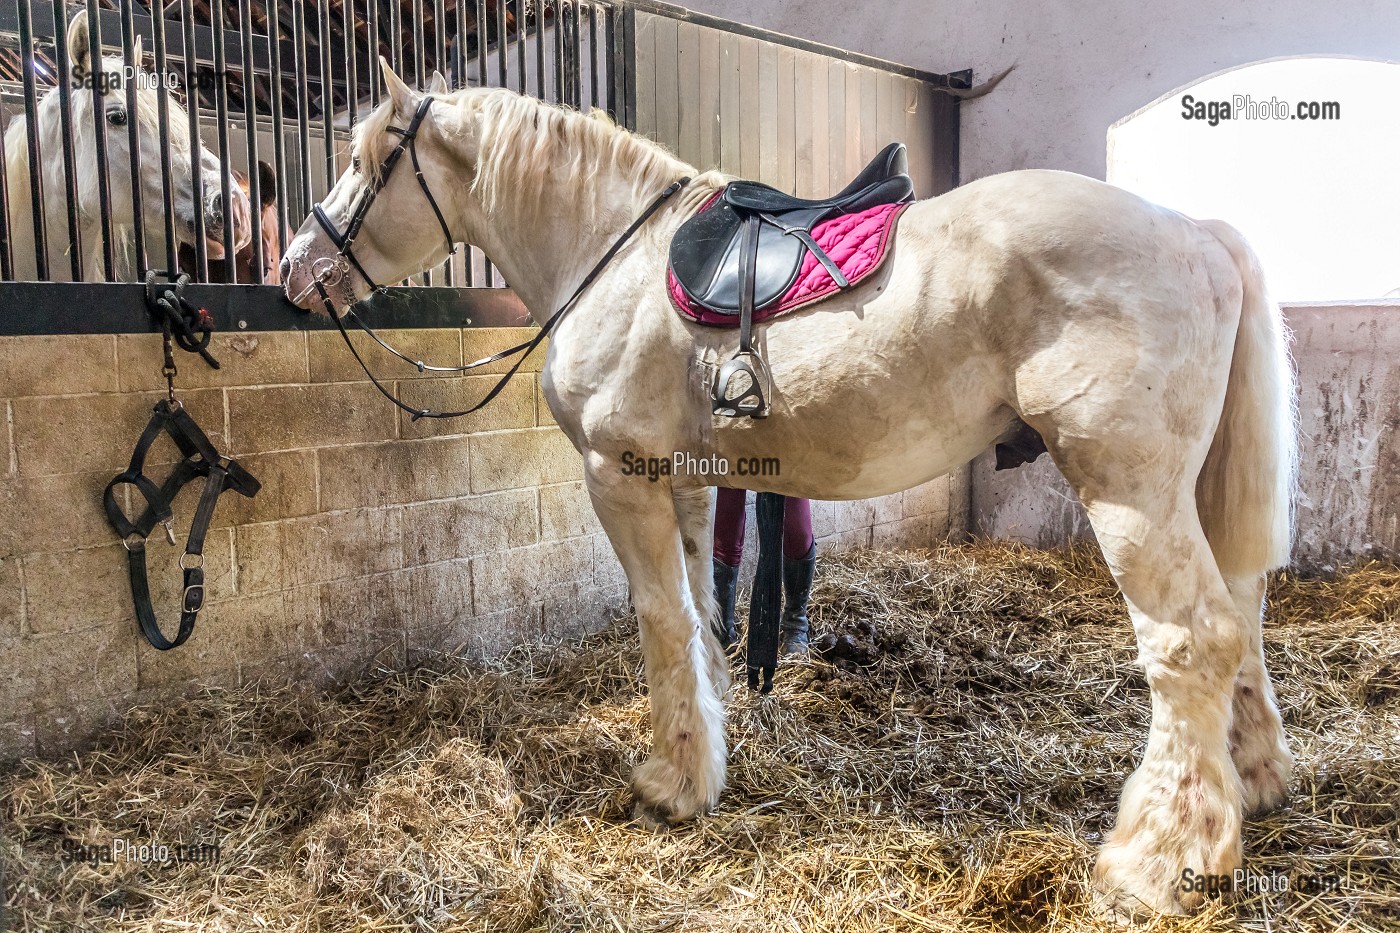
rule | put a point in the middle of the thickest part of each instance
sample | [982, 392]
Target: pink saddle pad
[857, 243]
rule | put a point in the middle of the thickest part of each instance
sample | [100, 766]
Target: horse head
[105, 84]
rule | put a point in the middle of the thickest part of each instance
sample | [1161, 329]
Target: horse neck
[545, 253]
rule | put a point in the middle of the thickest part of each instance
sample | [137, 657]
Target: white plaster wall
[1080, 65]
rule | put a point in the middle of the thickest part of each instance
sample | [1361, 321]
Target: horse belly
[869, 399]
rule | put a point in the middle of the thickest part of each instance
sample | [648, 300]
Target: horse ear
[137, 54]
[401, 94]
[78, 42]
[438, 84]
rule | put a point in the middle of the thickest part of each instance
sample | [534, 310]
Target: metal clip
[169, 532]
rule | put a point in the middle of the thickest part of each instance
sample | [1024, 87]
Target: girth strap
[200, 459]
[766, 607]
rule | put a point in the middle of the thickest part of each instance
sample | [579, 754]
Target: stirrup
[742, 387]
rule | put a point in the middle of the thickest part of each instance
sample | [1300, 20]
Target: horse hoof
[1128, 897]
[649, 817]
[1265, 781]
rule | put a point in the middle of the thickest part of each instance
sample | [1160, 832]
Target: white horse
[122, 215]
[1139, 343]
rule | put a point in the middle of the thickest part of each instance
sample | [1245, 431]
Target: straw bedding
[951, 765]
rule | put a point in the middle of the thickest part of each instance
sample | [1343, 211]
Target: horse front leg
[695, 514]
[685, 773]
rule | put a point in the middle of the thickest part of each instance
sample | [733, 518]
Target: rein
[330, 271]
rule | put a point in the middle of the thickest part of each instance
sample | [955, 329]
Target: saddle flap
[705, 257]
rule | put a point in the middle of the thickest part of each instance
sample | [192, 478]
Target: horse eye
[116, 117]
[355, 164]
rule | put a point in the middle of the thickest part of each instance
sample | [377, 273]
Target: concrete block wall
[373, 538]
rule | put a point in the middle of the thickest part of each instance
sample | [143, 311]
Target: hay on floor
[951, 766]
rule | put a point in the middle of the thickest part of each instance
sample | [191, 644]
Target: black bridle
[330, 271]
[345, 242]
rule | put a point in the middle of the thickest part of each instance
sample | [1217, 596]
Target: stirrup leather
[743, 387]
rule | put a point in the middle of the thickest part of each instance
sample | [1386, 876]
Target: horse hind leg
[1179, 813]
[1257, 740]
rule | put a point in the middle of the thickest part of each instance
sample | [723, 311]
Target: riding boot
[726, 585]
[797, 585]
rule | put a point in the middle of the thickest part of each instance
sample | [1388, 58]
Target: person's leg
[799, 565]
[728, 551]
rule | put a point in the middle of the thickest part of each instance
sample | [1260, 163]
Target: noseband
[329, 271]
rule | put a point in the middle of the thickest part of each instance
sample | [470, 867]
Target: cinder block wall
[374, 538]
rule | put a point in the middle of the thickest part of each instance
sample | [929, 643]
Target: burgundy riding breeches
[729, 527]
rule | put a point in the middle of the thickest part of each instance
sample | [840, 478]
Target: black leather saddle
[745, 251]
[707, 250]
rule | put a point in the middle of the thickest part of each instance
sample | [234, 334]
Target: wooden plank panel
[730, 78]
[821, 127]
[668, 126]
[768, 113]
[802, 131]
[871, 140]
[707, 155]
[923, 139]
[646, 73]
[690, 115]
[854, 120]
[786, 140]
[750, 115]
[836, 124]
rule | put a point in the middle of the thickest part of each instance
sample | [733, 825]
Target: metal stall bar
[372, 37]
[279, 129]
[395, 37]
[323, 57]
[520, 37]
[201, 257]
[167, 180]
[7, 268]
[501, 47]
[303, 103]
[31, 116]
[216, 14]
[70, 181]
[419, 78]
[133, 143]
[99, 127]
[482, 45]
[250, 123]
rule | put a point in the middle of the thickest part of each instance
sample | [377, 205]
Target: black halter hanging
[329, 271]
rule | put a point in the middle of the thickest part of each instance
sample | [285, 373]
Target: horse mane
[524, 140]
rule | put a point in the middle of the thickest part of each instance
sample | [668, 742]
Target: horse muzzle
[310, 285]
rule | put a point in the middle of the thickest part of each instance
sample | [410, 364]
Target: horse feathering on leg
[1137, 342]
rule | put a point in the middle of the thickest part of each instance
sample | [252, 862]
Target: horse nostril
[286, 270]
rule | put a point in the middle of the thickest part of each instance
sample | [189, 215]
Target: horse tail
[1245, 492]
